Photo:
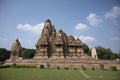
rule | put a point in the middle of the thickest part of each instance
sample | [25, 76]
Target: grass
[56, 74]
[103, 75]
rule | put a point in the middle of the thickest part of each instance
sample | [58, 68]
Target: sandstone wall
[71, 63]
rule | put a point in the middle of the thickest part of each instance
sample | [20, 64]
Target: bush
[93, 68]
[66, 68]
[1, 63]
[14, 65]
[4, 66]
[25, 66]
[58, 67]
[41, 66]
[75, 68]
[113, 68]
[101, 66]
[83, 67]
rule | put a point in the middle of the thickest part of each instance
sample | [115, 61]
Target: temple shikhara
[57, 44]
[57, 49]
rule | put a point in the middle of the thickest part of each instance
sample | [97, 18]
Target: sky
[95, 22]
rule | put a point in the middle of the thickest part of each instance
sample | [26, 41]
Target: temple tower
[71, 46]
[44, 46]
[57, 44]
[78, 47]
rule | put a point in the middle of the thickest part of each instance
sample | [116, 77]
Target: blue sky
[95, 22]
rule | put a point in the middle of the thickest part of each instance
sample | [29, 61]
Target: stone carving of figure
[16, 48]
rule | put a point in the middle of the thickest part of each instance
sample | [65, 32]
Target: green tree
[89, 53]
[4, 54]
[85, 48]
[114, 56]
[104, 53]
[28, 53]
[118, 55]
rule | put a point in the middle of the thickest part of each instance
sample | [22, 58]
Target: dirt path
[85, 75]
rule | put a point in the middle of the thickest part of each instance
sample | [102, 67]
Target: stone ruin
[16, 51]
[94, 53]
[58, 49]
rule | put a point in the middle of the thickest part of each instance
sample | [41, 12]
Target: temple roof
[71, 41]
[49, 33]
[78, 42]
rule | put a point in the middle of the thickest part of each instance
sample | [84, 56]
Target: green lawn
[56, 74]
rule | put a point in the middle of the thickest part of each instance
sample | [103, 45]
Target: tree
[4, 54]
[28, 53]
[104, 53]
[113, 56]
[85, 48]
[119, 55]
[89, 53]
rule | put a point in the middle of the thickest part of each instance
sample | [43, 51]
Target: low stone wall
[72, 63]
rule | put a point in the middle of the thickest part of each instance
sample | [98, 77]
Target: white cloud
[115, 39]
[27, 27]
[81, 26]
[93, 19]
[86, 39]
[114, 13]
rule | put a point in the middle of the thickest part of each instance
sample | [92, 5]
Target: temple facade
[57, 44]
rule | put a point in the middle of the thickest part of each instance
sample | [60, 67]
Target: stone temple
[58, 49]
[57, 44]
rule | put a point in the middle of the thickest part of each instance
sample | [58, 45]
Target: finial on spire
[48, 20]
[17, 40]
